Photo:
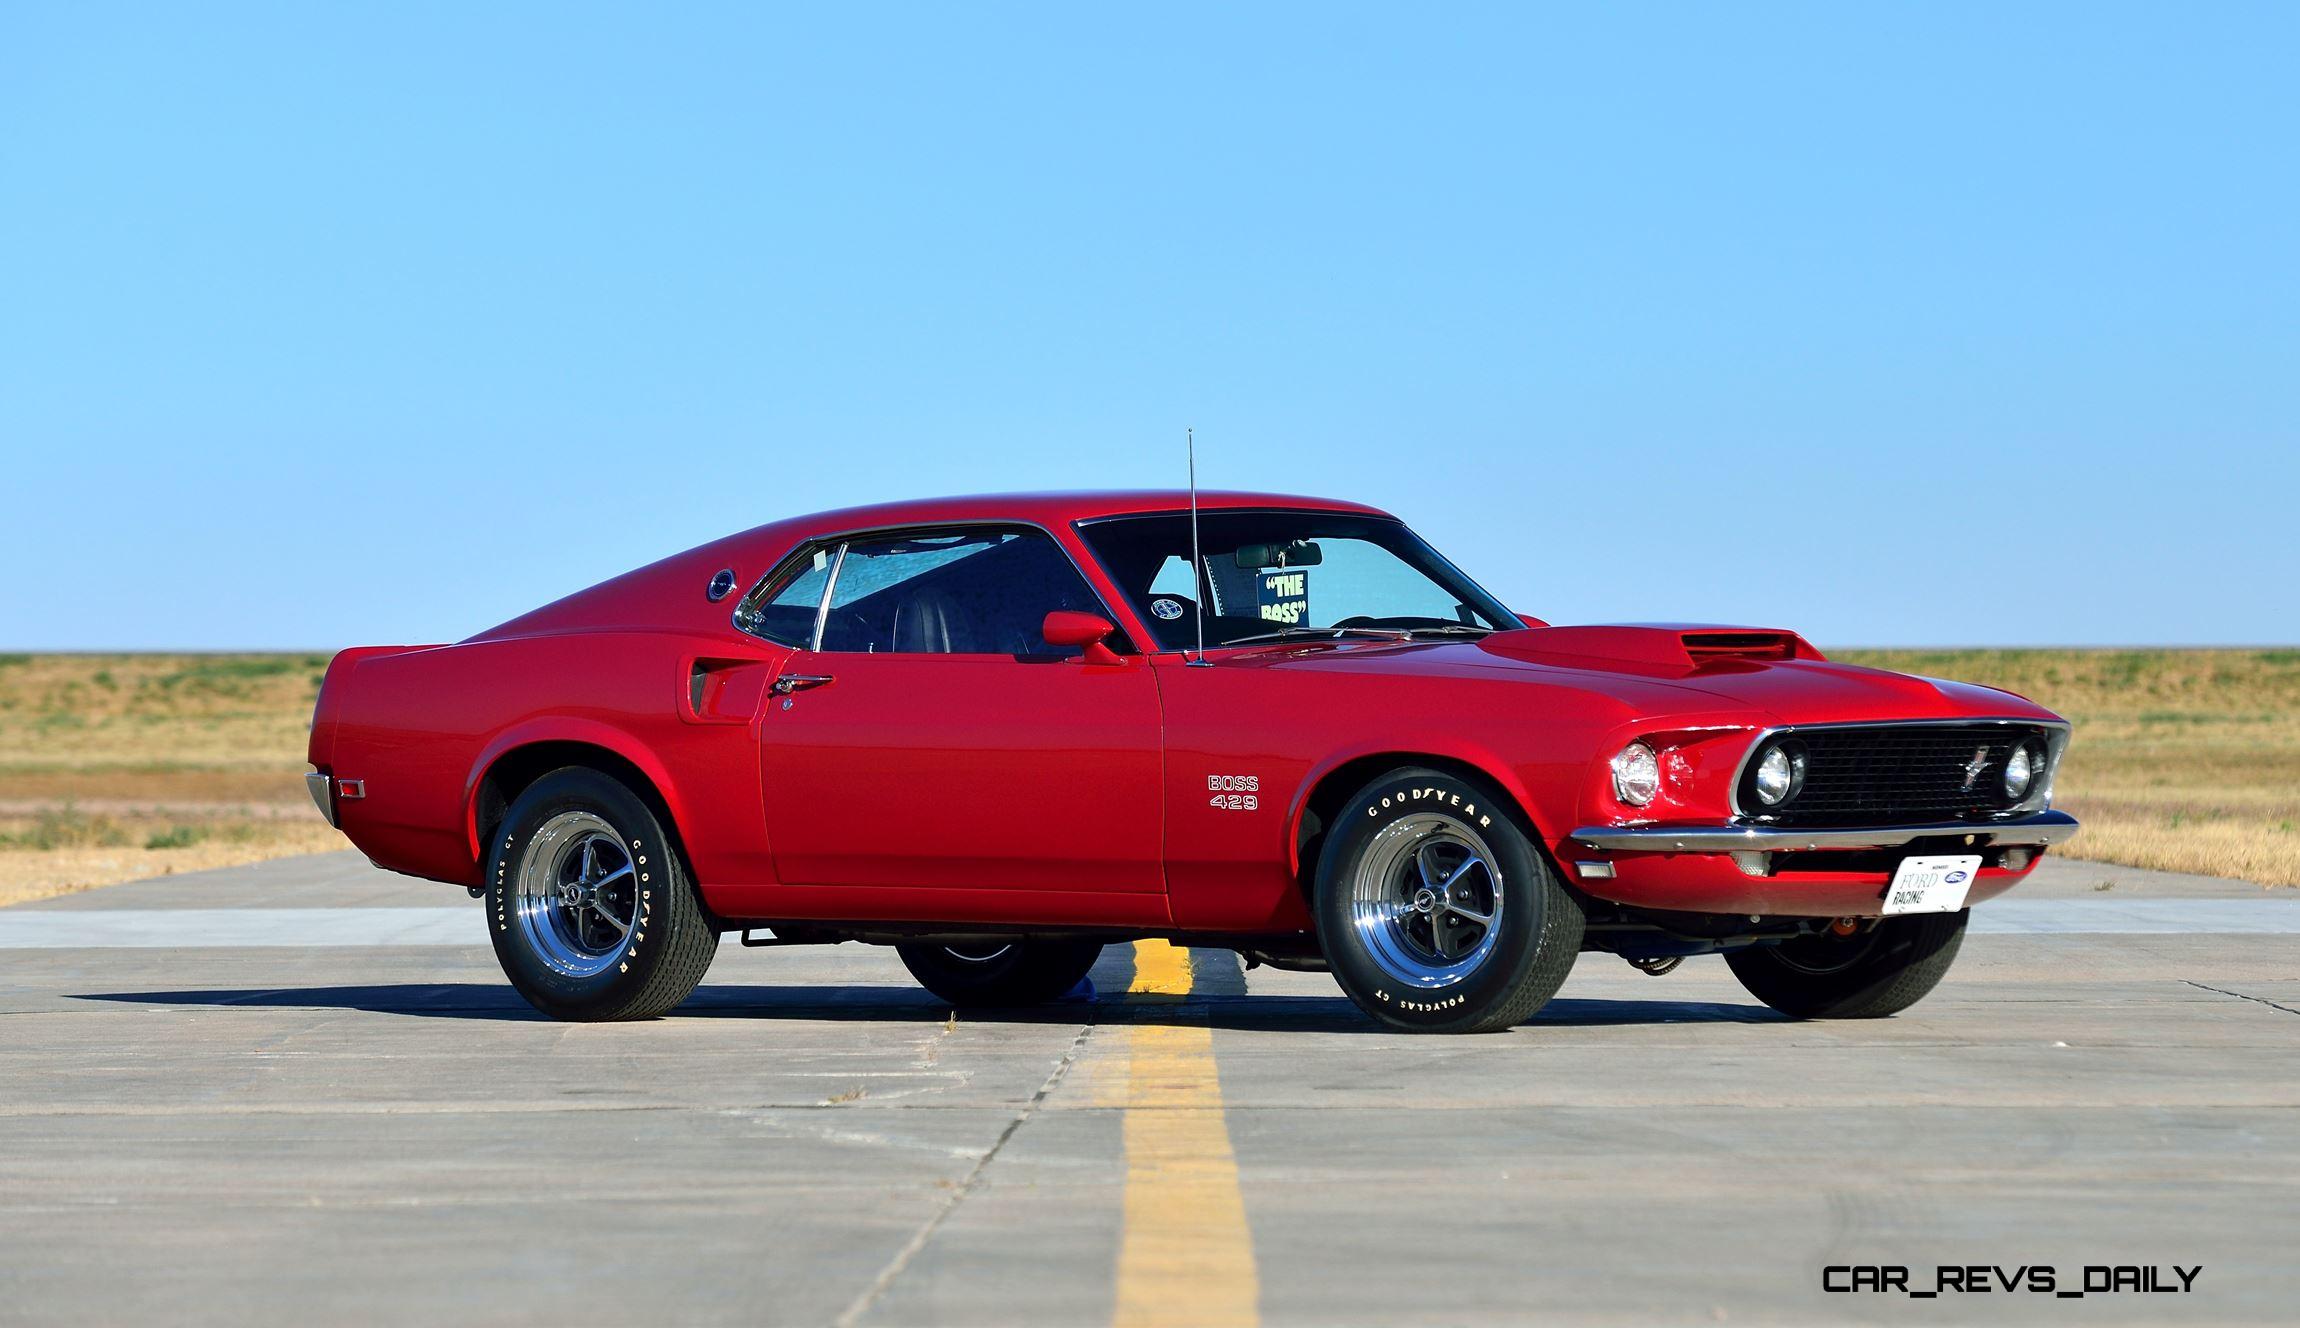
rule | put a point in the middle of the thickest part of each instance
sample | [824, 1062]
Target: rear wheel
[1436, 910]
[1000, 973]
[589, 905]
[1866, 973]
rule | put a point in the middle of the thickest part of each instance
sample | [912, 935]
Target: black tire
[568, 961]
[1011, 974]
[1872, 973]
[1469, 977]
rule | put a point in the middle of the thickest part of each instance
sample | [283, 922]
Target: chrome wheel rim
[578, 894]
[1426, 901]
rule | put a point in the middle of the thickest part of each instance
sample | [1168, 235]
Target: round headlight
[1636, 775]
[2020, 772]
[1780, 772]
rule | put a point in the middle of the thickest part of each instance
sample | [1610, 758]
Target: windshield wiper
[1322, 634]
[1450, 629]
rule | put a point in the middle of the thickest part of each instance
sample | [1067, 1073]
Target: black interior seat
[929, 622]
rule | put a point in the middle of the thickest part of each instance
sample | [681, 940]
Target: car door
[929, 737]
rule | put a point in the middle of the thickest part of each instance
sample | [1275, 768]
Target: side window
[787, 617]
[972, 592]
[1174, 580]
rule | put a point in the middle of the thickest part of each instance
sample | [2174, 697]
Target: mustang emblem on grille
[1974, 767]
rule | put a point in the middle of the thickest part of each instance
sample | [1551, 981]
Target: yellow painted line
[1187, 1256]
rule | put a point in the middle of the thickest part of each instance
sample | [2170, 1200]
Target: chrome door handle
[799, 682]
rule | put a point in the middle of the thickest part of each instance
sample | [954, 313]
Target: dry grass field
[118, 767]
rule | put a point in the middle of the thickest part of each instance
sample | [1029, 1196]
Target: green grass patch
[67, 827]
[2201, 717]
[177, 836]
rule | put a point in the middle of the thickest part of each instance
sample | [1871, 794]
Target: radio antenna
[1197, 557]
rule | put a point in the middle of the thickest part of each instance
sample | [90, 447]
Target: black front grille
[1895, 774]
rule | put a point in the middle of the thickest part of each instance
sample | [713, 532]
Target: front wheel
[1437, 911]
[1864, 973]
[1000, 973]
[591, 911]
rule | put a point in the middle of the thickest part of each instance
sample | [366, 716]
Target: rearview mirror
[1288, 553]
[1081, 631]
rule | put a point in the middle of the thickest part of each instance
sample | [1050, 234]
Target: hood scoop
[1662, 649]
[1743, 643]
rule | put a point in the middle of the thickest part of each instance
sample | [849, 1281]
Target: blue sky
[328, 324]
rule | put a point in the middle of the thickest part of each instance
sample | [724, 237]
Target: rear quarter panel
[422, 728]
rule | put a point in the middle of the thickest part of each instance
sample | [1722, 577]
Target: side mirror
[1083, 631]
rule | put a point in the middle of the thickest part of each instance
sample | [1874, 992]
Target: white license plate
[1931, 885]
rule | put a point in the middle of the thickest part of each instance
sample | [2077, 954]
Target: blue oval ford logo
[1955, 878]
[1168, 609]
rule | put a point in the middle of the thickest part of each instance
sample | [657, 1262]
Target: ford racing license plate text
[1931, 885]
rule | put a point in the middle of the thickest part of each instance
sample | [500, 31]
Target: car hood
[1776, 675]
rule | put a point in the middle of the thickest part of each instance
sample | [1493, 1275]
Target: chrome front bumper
[2038, 829]
[317, 783]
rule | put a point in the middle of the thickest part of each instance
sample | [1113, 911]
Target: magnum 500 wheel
[1437, 912]
[590, 908]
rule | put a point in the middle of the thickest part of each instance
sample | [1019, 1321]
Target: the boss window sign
[1283, 596]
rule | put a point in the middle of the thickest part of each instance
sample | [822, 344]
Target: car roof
[1054, 509]
[667, 591]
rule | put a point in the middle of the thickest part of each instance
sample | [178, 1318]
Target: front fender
[1361, 761]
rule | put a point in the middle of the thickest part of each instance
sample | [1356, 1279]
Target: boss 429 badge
[1234, 793]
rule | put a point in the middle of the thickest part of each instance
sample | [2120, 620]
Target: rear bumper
[2038, 830]
[321, 794]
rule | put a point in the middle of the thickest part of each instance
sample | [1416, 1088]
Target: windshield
[1281, 575]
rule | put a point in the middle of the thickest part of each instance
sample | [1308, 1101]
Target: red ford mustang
[985, 731]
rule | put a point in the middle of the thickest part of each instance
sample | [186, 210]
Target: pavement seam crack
[895, 1267]
[2223, 991]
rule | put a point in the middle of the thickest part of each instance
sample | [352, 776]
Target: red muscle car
[999, 733]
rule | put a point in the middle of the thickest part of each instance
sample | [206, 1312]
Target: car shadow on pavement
[1318, 1014]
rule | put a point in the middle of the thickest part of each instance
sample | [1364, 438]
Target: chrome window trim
[823, 605]
[842, 538]
[2039, 801]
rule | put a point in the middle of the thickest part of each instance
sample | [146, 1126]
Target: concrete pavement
[296, 1132]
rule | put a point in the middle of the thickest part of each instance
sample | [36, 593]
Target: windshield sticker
[1165, 609]
[1284, 596]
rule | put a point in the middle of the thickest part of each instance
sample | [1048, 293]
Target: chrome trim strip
[2059, 745]
[823, 606]
[2038, 829]
[316, 783]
